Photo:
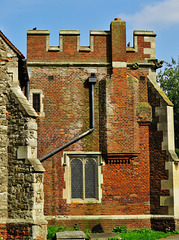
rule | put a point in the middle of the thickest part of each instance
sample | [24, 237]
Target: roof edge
[11, 45]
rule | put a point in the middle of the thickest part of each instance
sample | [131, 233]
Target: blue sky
[161, 16]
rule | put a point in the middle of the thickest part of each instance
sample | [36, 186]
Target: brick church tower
[105, 130]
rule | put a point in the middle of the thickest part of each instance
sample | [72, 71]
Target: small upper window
[50, 78]
[36, 101]
[36, 97]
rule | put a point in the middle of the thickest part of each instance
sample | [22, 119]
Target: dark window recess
[90, 179]
[83, 178]
[76, 178]
[142, 78]
[36, 101]
[50, 78]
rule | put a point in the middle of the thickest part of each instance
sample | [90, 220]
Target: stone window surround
[67, 177]
[39, 91]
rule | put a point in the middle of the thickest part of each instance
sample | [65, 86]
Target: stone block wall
[3, 144]
[21, 173]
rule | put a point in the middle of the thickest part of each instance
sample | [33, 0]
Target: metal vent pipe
[92, 82]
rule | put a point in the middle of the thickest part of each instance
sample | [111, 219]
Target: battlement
[65, 33]
[106, 47]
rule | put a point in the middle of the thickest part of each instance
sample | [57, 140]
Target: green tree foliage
[169, 82]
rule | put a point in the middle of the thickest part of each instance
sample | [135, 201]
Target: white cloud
[161, 14]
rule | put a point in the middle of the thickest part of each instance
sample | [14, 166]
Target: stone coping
[100, 33]
[23, 102]
[70, 64]
[98, 217]
[38, 32]
[104, 236]
[85, 64]
[161, 92]
[144, 33]
[40, 221]
[70, 235]
[68, 32]
[67, 235]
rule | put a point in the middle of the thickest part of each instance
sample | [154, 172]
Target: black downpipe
[25, 77]
[27, 90]
[91, 81]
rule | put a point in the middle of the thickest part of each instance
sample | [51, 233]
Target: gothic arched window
[83, 177]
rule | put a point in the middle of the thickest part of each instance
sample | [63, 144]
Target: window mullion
[96, 181]
[84, 162]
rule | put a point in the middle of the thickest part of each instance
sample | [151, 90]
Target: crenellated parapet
[144, 44]
[69, 48]
[106, 47]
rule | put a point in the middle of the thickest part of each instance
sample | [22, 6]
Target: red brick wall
[36, 49]
[13, 231]
[3, 231]
[66, 105]
[104, 225]
[139, 55]
[161, 224]
[177, 224]
[19, 231]
[121, 135]
[118, 41]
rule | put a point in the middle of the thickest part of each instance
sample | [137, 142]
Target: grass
[142, 234]
[148, 235]
[122, 231]
[52, 229]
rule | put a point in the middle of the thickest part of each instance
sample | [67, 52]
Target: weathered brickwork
[11, 231]
[21, 173]
[20, 231]
[128, 135]
[104, 225]
[159, 224]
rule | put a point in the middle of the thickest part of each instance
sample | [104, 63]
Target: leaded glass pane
[76, 178]
[90, 178]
